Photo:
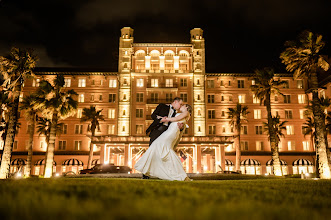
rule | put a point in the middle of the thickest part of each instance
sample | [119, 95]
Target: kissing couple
[160, 160]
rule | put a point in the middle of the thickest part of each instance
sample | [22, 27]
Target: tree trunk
[238, 151]
[50, 148]
[30, 146]
[90, 157]
[321, 156]
[277, 170]
[10, 136]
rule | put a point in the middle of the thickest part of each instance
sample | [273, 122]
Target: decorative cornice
[160, 45]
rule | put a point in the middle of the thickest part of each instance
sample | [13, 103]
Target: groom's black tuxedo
[157, 127]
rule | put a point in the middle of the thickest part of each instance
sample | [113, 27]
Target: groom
[159, 125]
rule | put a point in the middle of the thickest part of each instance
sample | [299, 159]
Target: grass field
[104, 198]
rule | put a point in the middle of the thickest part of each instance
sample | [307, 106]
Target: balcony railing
[163, 85]
[162, 71]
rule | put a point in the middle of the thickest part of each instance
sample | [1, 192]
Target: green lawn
[111, 198]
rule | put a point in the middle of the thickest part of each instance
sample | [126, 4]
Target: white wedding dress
[160, 160]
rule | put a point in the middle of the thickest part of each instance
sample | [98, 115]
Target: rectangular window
[243, 129]
[210, 84]
[112, 98]
[111, 113]
[169, 83]
[183, 82]
[244, 145]
[241, 99]
[223, 129]
[93, 82]
[287, 98]
[291, 145]
[211, 114]
[255, 99]
[211, 98]
[92, 97]
[64, 129]
[140, 82]
[154, 97]
[230, 98]
[62, 145]
[222, 83]
[100, 98]
[78, 129]
[286, 84]
[259, 145]
[302, 99]
[139, 129]
[253, 82]
[154, 82]
[257, 113]
[302, 114]
[305, 145]
[78, 145]
[212, 129]
[258, 130]
[289, 129]
[112, 83]
[223, 113]
[241, 83]
[139, 113]
[169, 97]
[111, 129]
[67, 82]
[222, 98]
[81, 82]
[300, 84]
[288, 114]
[276, 98]
[183, 96]
[79, 113]
[81, 98]
[140, 97]
[183, 66]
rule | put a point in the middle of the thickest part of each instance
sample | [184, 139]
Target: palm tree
[15, 68]
[44, 128]
[277, 127]
[309, 129]
[93, 116]
[30, 113]
[304, 60]
[265, 86]
[56, 103]
[238, 116]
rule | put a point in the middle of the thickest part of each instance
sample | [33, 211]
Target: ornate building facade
[151, 73]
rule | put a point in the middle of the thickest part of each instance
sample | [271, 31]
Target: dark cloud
[240, 35]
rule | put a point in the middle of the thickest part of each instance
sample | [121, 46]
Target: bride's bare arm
[179, 117]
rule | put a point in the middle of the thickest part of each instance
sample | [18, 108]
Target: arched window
[184, 53]
[140, 53]
[169, 53]
[154, 54]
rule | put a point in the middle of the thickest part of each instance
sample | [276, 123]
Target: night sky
[240, 35]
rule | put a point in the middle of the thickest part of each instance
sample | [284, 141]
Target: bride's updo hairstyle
[189, 108]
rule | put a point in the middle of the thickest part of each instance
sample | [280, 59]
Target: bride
[160, 160]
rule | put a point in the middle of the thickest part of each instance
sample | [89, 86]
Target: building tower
[124, 78]
[198, 43]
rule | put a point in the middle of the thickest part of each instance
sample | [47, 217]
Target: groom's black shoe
[145, 177]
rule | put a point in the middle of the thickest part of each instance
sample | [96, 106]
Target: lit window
[241, 99]
[255, 99]
[79, 113]
[154, 82]
[289, 129]
[301, 99]
[302, 114]
[169, 83]
[35, 83]
[81, 82]
[257, 114]
[111, 113]
[300, 84]
[112, 83]
[67, 82]
[78, 145]
[291, 145]
[81, 98]
[210, 84]
[259, 145]
[305, 145]
[111, 129]
[140, 82]
[139, 129]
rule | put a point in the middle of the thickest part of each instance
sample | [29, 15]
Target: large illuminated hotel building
[152, 73]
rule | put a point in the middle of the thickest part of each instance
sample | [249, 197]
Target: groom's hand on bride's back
[164, 119]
